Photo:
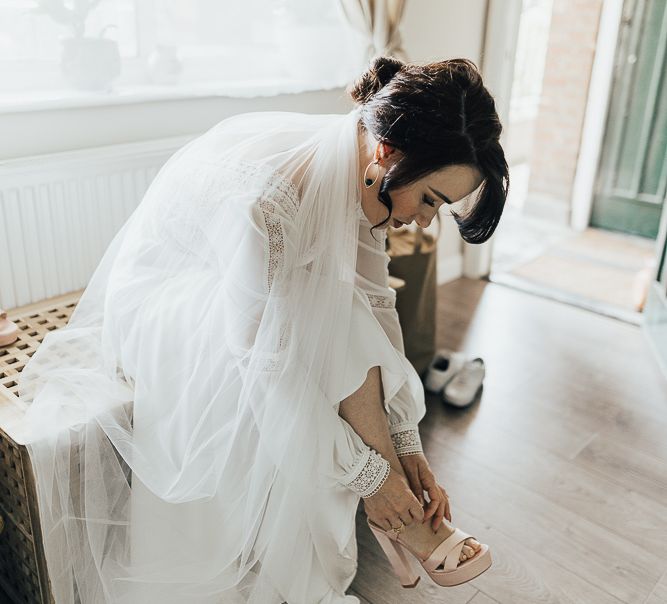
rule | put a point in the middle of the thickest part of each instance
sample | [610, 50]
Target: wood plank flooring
[561, 467]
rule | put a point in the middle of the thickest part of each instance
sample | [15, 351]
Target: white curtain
[378, 21]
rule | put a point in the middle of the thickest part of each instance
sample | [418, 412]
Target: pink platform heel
[448, 551]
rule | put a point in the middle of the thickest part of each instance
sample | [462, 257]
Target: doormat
[600, 265]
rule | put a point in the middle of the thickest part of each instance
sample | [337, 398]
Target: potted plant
[89, 63]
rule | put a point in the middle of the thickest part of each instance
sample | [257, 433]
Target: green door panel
[632, 178]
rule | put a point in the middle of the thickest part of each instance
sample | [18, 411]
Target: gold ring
[399, 529]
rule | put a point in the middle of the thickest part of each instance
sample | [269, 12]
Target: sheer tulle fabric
[194, 392]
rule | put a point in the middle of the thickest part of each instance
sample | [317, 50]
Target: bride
[233, 378]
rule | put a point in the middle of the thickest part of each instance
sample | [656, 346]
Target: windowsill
[125, 95]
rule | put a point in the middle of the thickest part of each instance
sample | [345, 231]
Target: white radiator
[58, 214]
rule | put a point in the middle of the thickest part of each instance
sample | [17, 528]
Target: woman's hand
[421, 478]
[393, 503]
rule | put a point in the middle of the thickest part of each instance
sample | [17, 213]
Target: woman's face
[420, 200]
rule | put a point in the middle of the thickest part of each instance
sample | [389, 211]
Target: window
[54, 49]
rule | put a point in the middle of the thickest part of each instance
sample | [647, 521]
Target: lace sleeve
[405, 438]
[365, 469]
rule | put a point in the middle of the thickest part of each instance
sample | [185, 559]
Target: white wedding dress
[183, 427]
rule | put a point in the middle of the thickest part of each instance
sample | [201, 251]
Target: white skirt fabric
[324, 517]
[183, 427]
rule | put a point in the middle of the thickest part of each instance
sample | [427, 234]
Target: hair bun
[380, 71]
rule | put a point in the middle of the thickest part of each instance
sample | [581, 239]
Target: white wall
[50, 131]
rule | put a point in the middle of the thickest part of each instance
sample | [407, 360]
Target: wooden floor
[561, 467]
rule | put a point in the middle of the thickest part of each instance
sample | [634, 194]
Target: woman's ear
[384, 150]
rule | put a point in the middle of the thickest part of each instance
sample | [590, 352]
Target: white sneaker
[444, 366]
[463, 389]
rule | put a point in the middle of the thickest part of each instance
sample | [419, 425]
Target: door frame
[595, 116]
[501, 30]
[497, 64]
[656, 303]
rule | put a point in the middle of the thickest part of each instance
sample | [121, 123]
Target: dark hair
[438, 114]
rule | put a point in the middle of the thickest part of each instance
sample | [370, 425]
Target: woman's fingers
[438, 505]
[422, 471]
[448, 513]
[417, 513]
[416, 487]
[437, 520]
[434, 493]
[405, 517]
[431, 508]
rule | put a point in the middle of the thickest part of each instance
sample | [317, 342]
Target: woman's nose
[422, 222]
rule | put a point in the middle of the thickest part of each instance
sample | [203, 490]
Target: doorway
[606, 266]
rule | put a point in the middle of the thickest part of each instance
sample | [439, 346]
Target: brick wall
[557, 136]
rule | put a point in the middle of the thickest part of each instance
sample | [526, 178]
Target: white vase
[90, 63]
[163, 65]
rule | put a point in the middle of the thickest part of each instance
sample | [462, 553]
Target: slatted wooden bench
[23, 575]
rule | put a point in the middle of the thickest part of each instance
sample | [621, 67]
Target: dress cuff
[405, 437]
[369, 473]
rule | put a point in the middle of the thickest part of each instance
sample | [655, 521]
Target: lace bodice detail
[281, 197]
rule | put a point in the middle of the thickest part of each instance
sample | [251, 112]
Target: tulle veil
[182, 427]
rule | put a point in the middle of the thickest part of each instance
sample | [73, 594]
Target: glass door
[633, 173]
[655, 319]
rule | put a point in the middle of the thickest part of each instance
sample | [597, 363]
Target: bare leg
[364, 411]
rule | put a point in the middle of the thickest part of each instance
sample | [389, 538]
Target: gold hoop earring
[368, 183]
